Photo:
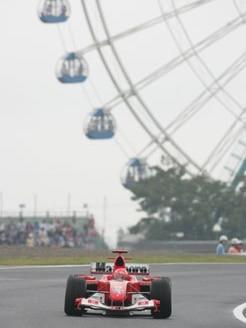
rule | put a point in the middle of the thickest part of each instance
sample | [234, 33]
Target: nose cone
[118, 290]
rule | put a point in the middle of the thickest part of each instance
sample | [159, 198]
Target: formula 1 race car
[118, 291]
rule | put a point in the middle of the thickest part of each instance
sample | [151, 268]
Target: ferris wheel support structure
[205, 75]
[213, 86]
[133, 91]
[204, 97]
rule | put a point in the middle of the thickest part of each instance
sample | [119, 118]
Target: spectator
[11, 233]
[240, 246]
[233, 246]
[58, 225]
[43, 239]
[2, 232]
[30, 242]
[2, 226]
[236, 246]
[36, 229]
[44, 225]
[220, 249]
[21, 234]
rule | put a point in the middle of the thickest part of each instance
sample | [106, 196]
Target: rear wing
[106, 267]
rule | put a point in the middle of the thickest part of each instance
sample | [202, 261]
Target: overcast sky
[47, 163]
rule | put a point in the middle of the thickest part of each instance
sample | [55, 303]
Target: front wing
[96, 304]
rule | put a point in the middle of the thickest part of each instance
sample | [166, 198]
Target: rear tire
[161, 290]
[76, 288]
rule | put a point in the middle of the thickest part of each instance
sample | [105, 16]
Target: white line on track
[238, 312]
[43, 266]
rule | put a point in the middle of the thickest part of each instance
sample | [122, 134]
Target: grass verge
[11, 255]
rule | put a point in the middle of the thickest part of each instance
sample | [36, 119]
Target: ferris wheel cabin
[54, 11]
[71, 69]
[134, 171]
[100, 125]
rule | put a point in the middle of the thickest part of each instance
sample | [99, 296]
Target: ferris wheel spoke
[193, 51]
[133, 89]
[200, 102]
[241, 8]
[145, 25]
[171, 65]
[211, 89]
[197, 64]
[225, 140]
[118, 88]
[179, 60]
[210, 92]
[139, 98]
[222, 148]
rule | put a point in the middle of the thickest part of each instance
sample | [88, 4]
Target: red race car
[118, 291]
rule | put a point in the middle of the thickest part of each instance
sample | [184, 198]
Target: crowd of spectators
[48, 232]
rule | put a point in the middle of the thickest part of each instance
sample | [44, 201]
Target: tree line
[191, 208]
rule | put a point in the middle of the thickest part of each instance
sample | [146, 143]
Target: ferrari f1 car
[119, 290]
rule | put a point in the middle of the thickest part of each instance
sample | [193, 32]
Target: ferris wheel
[169, 77]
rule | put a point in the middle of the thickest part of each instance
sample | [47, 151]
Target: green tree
[176, 203]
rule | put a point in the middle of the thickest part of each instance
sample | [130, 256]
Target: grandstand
[54, 230]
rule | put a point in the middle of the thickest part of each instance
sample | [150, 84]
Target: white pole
[1, 204]
[35, 205]
[104, 216]
[68, 203]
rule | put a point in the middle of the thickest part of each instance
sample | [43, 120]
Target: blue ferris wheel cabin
[71, 69]
[134, 171]
[54, 11]
[100, 125]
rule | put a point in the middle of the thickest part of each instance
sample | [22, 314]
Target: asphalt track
[204, 295]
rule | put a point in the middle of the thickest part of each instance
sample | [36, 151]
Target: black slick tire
[75, 288]
[161, 290]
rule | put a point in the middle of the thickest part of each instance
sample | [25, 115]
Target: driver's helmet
[120, 274]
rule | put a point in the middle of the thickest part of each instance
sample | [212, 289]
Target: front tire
[76, 288]
[161, 290]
